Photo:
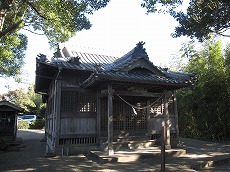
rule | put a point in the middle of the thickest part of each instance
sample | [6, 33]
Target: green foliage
[160, 5]
[58, 20]
[23, 124]
[201, 19]
[28, 100]
[12, 54]
[38, 124]
[204, 110]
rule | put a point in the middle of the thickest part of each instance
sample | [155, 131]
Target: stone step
[137, 155]
[130, 145]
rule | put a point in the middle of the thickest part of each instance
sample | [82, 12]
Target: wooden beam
[110, 120]
[138, 94]
[68, 88]
[133, 93]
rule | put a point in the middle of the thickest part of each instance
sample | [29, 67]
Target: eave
[97, 78]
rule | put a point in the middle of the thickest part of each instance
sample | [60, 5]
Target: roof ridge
[95, 54]
[133, 55]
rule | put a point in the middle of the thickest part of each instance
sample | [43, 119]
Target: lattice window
[118, 115]
[130, 117]
[157, 108]
[104, 117]
[171, 107]
[141, 122]
[72, 101]
[137, 117]
[124, 116]
[78, 141]
[7, 119]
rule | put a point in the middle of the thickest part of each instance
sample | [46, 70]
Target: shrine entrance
[125, 117]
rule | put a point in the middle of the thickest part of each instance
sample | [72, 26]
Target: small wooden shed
[8, 120]
[94, 98]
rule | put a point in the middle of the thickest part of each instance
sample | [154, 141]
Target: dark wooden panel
[78, 126]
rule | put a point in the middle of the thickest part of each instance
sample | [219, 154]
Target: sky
[116, 29]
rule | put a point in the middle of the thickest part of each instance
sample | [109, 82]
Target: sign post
[163, 138]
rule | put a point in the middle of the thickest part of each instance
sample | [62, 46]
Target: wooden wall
[78, 119]
[50, 118]
[8, 123]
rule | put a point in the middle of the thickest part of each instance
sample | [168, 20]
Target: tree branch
[11, 28]
[31, 5]
[221, 34]
[33, 32]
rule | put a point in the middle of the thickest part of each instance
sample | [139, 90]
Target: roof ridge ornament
[74, 60]
[42, 58]
[140, 50]
[140, 44]
[98, 67]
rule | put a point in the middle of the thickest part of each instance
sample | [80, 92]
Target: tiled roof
[140, 78]
[135, 54]
[7, 103]
[86, 61]
[115, 68]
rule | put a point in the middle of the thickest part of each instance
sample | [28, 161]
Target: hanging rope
[137, 107]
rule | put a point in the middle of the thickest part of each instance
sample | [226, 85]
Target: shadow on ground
[31, 157]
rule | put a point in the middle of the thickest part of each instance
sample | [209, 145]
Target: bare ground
[30, 157]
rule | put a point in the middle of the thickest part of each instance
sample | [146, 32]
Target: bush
[23, 124]
[38, 124]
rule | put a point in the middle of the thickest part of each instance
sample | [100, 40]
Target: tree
[58, 20]
[27, 99]
[201, 19]
[12, 53]
[204, 110]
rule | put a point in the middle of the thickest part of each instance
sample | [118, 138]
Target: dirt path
[31, 134]
[31, 157]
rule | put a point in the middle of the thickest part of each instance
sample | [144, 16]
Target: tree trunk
[2, 18]
[4, 7]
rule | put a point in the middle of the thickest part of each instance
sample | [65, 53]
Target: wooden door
[7, 123]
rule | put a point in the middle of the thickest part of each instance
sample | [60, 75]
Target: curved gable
[136, 58]
[143, 65]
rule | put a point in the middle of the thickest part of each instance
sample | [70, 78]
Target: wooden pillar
[148, 118]
[98, 118]
[58, 111]
[56, 105]
[110, 120]
[15, 124]
[163, 135]
[176, 113]
[167, 121]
